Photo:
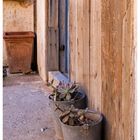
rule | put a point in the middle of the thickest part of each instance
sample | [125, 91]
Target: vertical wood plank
[53, 50]
[53, 36]
[53, 13]
[86, 38]
[80, 41]
[128, 52]
[73, 38]
[111, 67]
[95, 54]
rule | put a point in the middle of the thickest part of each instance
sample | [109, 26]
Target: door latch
[62, 47]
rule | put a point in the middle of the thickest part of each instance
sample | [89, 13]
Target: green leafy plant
[64, 91]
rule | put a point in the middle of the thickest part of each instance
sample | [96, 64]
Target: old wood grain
[112, 68]
[95, 54]
[73, 38]
[102, 53]
[53, 50]
[86, 47]
[53, 13]
[128, 69]
[80, 41]
[118, 69]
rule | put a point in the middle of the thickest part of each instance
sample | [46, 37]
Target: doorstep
[57, 76]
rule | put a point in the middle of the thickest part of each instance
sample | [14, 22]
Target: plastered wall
[41, 38]
[16, 18]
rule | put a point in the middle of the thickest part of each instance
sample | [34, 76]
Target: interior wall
[16, 18]
[102, 52]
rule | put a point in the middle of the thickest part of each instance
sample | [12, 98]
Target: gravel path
[26, 109]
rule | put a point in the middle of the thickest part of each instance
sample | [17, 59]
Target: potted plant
[79, 124]
[61, 98]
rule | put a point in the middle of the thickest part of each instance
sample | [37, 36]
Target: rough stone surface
[26, 109]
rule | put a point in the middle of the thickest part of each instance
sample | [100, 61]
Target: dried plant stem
[58, 108]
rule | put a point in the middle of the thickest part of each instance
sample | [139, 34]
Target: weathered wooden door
[58, 36]
[53, 36]
[63, 36]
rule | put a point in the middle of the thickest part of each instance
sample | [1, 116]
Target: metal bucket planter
[91, 132]
[81, 104]
[19, 46]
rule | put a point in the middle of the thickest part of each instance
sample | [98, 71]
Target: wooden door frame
[52, 49]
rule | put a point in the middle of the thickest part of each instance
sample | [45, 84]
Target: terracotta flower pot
[19, 46]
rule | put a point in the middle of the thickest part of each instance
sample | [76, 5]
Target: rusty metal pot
[81, 103]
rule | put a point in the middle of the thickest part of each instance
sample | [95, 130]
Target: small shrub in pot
[61, 98]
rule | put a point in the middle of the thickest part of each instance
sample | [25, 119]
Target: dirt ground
[26, 109]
